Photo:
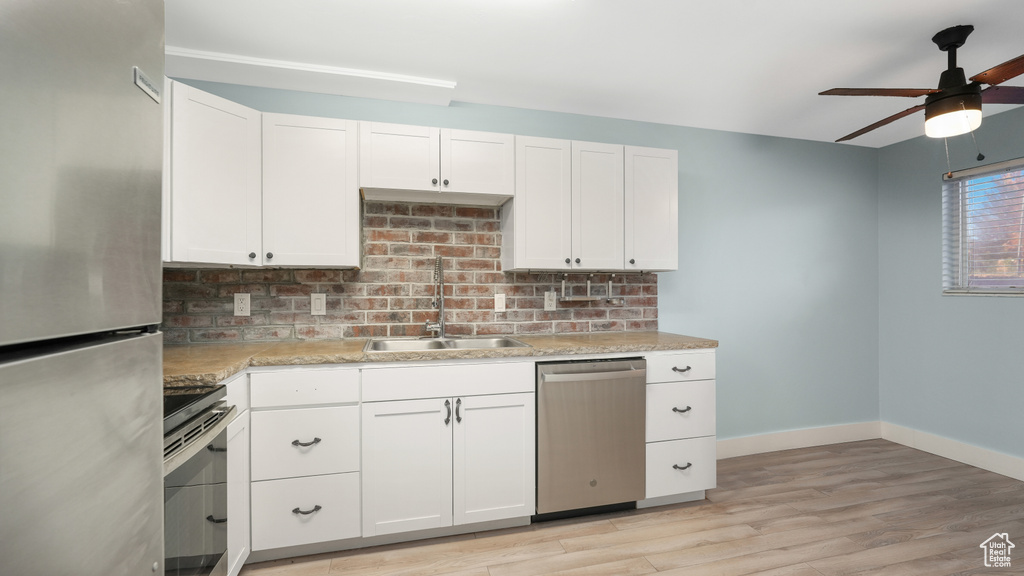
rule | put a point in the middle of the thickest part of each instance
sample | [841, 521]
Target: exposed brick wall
[391, 295]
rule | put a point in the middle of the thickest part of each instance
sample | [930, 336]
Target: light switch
[318, 304]
[499, 302]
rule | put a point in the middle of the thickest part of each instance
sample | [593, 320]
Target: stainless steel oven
[195, 481]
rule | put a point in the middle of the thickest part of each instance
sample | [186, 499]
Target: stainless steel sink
[428, 344]
[497, 342]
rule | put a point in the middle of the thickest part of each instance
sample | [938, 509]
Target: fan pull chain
[980, 155]
[948, 167]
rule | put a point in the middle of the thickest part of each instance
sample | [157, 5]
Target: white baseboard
[978, 457]
[798, 439]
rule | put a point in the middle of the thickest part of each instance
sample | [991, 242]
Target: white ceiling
[752, 66]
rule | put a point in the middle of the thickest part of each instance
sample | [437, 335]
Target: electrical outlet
[241, 304]
[549, 300]
[499, 302]
[318, 304]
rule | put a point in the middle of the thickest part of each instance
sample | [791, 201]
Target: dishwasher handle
[591, 376]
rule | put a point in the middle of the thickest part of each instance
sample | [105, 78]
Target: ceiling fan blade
[882, 122]
[905, 92]
[1003, 95]
[1002, 72]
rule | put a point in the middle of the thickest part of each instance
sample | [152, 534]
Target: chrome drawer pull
[683, 411]
[681, 370]
[678, 467]
[448, 418]
[316, 508]
[210, 518]
[305, 444]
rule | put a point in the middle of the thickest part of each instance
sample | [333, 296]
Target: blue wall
[778, 252]
[948, 365]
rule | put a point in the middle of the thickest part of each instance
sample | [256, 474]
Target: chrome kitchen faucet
[437, 327]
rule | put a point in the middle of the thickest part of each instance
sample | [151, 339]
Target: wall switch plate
[549, 300]
[318, 304]
[241, 304]
[499, 302]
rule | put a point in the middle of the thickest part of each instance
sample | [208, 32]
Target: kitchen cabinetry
[681, 441]
[214, 187]
[238, 475]
[441, 448]
[651, 194]
[305, 457]
[589, 206]
[254, 189]
[424, 164]
[309, 180]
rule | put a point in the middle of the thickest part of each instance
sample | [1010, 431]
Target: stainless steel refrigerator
[80, 282]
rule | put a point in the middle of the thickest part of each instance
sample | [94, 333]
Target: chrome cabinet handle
[304, 444]
[577, 260]
[210, 518]
[252, 255]
[270, 255]
[448, 418]
[458, 404]
[566, 260]
[445, 182]
[316, 508]
[213, 448]
[678, 467]
[681, 370]
[434, 181]
[683, 411]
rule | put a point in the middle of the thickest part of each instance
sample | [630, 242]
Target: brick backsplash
[391, 295]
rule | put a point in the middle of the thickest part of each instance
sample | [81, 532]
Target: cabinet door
[494, 458]
[238, 492]
[407, 465]
[477, 162]
[399, 157]
[215, 179]
[596, 206]
[310, 191]
[651, 205]
[543, 204]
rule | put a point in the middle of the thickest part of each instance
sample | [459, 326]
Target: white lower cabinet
[447, 461]
[681, 441]
[238, 510]
[294, 511]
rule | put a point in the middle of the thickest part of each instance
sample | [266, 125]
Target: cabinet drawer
[664, 480]
[274, 433]
[681, 366]
[303, 387]
[678, 410]
[276, 507]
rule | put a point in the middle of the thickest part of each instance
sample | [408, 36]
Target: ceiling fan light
[953, 114]
[952, 123]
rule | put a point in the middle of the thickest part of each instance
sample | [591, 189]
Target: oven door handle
[200, 443]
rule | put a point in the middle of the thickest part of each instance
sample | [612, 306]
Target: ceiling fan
[955, 106]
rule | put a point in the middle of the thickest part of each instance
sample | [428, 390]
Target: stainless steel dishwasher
[590, 433]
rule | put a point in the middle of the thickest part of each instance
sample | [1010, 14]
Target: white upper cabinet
[596, 206]
[310, 192]
[651, 209]
[215, 180]
[537, 228]
[422, 164]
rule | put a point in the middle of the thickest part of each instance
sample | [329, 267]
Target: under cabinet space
[305, 442]
[305, 510]
[681, 466]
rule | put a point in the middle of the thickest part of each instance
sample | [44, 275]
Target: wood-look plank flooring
[871, 507]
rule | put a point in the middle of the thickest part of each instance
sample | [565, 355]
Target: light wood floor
[871, 507]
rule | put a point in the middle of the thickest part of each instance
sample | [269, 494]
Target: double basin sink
[427, 344]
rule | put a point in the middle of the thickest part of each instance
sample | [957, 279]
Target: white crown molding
[287, 75]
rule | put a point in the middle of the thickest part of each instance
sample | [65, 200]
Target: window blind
[983, 230]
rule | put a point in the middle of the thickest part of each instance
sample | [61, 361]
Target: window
[983, 230]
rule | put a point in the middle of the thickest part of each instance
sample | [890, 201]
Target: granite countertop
[199, 364]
